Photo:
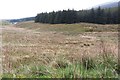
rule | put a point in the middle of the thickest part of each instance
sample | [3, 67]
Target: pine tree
[100, 16]
[92, 16]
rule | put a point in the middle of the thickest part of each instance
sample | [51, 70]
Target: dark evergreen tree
[58, 17]
[92, 16]
[99, 16]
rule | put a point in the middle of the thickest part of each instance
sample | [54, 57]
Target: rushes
[49, 65]
[47, 54]
[62, 68]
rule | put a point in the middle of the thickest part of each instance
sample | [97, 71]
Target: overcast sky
[13, 9]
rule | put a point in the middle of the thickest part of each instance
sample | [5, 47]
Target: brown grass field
[27, 46]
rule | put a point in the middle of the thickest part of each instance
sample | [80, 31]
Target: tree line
[99, 16]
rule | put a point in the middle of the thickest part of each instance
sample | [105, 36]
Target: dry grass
[33, 44]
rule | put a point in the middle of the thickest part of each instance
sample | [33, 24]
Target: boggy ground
[60, 50]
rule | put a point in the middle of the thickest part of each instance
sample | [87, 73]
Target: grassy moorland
[82, 50]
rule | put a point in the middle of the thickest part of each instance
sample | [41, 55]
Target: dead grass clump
[60, 61]
[59, 64]
[88, 63]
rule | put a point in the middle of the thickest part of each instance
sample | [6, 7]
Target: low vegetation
[82, 50]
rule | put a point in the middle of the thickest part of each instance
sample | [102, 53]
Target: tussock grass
[69, 29]
[37, 50]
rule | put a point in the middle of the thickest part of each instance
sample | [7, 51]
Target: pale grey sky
[13, 9]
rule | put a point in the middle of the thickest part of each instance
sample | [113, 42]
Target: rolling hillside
[21, 19]
[109, 5]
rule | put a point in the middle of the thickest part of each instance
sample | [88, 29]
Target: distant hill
[21, 19]
[4, 22]
[109, 5]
